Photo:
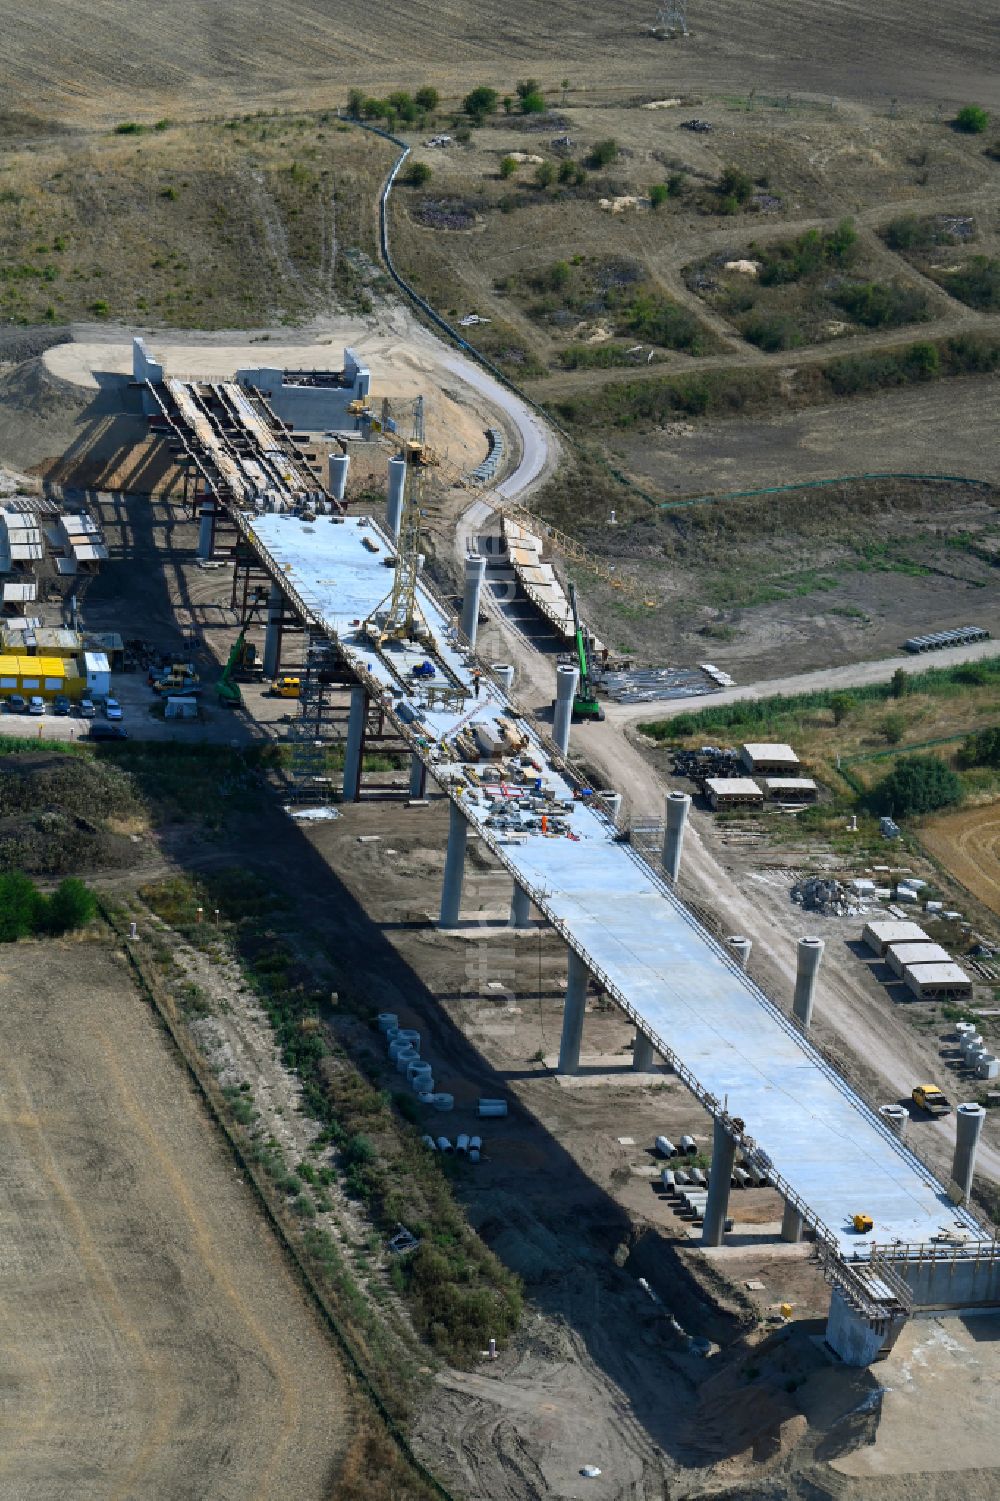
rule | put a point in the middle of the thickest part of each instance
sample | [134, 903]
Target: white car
[37, 705]
[112, 709]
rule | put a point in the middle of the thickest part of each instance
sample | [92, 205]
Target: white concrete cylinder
[475, 572]
[340, 464]
[809, 952]
[566, 681]
[678, 805]
[969, 1119]
[394, 497]
[740, 947]
[504, 673]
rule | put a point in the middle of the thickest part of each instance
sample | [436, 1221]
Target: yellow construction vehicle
[928, 1097]
[863, 1223]
[286, 688]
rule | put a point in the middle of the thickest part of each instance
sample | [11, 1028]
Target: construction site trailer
[770, 759]
[791, 789]
[42, 677]
[98, 671]
[899, 956]
[938, 982]
[879, 935]
[733, 792]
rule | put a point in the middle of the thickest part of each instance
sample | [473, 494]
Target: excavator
[240, 657]
[585, 704]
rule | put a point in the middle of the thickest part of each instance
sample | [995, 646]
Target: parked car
[931, 1099]
[87, 710]
[17, 704]
[61, 704]
[107, 732]
[112, 709]
[37, 705]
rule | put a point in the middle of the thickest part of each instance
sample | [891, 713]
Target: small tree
[508, 166]
[899, 685]
[972, 120]
[658, 195]
[70, 906]
[20, 906]
[427, 99]
[532, 103]
[355, 104]
[841, 705]
[419, 175]
[917, 784]
[479, 103]
[568, 172]
[893, 727]
[545, 175]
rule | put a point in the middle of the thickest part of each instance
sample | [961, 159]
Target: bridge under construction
[777, 1103]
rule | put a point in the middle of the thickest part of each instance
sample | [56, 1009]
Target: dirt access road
[155, 1344]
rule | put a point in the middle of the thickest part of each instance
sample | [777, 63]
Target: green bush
[480, 102]
[882, 305]
[427, 99]
[508, 166]
[771, 331]
[911, 233]
[419, 175]
[806, 255]
[981, 749]
[735, 183]
[916, 784]
[602, 154]
[662, 321]
[545, 175]
[971, 119]
[658, 195]
[976, 283]
[25, 910]
[130, 128]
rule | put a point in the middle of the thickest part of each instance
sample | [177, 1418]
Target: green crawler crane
[585, 703]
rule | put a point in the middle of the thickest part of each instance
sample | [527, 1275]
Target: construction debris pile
[826, 896]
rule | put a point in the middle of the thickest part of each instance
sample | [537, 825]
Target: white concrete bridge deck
[830, 1153]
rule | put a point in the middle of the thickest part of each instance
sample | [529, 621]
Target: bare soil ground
[156, 1342]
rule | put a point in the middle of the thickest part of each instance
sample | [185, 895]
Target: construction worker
[475, 683]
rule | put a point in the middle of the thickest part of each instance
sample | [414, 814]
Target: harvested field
[155, 1342]
[82, 60]
[968, 844]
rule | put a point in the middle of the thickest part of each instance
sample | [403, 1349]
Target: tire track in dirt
[968, 844]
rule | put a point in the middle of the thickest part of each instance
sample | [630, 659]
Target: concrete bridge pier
[573, 1014]
[719, 1182]
[643, 1054]
[206, 531]
[520, 907]
[272, 634]
[475, 572]
[969, 1120]
[394, 497]
[678, 806]
[454, 867]
[355, 743]
[792, 1224]
[810, 952]
[740, 948]
[562, 710]
[418, 777]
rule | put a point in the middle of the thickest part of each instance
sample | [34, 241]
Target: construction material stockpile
[826, 897]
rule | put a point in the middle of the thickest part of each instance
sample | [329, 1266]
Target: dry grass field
[78, 60]
[155, 1343]
[968, 844]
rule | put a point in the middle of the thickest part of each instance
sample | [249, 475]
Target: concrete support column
[454, 867]
[719, 1181]
[678, 806]
[897, 1117]
[810, 952]
[573, 1013]
[643, 1054]
[505, 674]
[394, 497]
[355, 741]
[206, 531]
[475, 572]
[566, 681]
[792, 1224]
[418, 777]
[272, 634]
[520, 907]
[340, 464]
[740, 947]
[969, 1125]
